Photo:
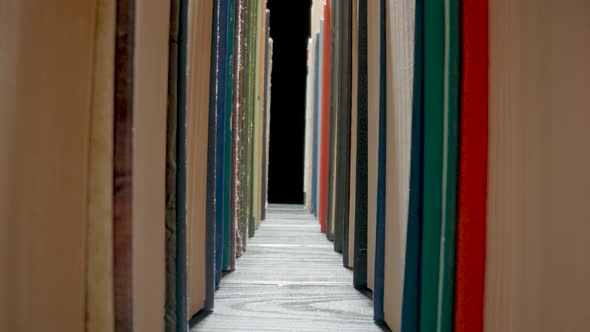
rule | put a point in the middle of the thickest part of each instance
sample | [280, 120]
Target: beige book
[99, 247]
[538, 253]
[400, 78]
[373, 40]
[197, 117]
[46, 64]
[149, 165]
[353, 127]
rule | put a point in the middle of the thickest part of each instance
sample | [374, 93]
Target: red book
[473, 168]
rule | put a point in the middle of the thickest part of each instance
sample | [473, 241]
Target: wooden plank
[277, 287]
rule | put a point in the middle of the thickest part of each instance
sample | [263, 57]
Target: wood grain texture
[99, 248]
[149, 163]
[400, 69]
[537, 259]
[46, 64]
[198, 74]
[290, 279]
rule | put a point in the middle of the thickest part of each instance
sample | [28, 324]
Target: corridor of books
[309, 165]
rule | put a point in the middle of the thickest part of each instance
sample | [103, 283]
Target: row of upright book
[447, 158]
[133, 158]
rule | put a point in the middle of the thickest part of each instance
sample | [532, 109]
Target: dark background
[289, 29]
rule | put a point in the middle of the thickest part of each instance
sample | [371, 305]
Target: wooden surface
[289, 279]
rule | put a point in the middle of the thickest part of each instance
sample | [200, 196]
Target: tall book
[537, 208]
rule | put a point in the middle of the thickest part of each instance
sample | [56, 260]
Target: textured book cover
[99, 233]
[353, 134]
[441, 95]
[434, 65]
[150, 72]
[122, 166]
[325, 132]
[171, 169]
[228, 252]
[373, 93]
[200, 24]
[399, 70]
[410, 320]
[381, 171]
[537, 207]
[217, 103]
[46, 107]
[361, 193]
[473, 168]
